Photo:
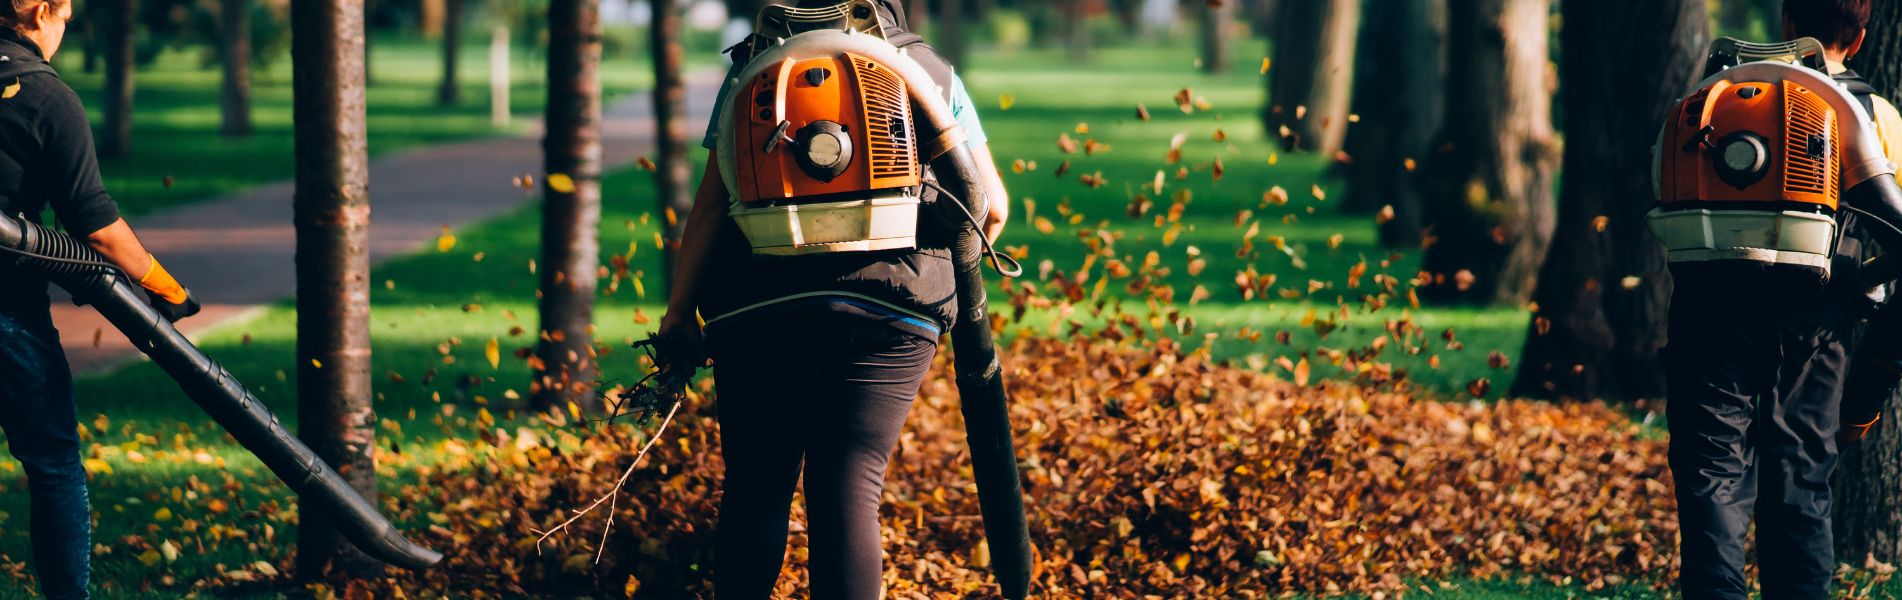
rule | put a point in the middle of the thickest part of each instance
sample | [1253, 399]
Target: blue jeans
[38, 416]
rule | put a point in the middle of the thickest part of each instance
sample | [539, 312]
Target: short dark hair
[1835, 23]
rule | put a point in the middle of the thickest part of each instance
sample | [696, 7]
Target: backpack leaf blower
[32, 248]
[1759, 171]
[820, 144]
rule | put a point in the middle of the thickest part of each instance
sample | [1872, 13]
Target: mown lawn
[158, 465]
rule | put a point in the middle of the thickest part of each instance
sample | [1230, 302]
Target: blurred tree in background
[1312, 79]
[1604, 291]
[1399, 85]
[1489, 209]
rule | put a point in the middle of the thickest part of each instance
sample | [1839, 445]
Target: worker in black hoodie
[47, 160]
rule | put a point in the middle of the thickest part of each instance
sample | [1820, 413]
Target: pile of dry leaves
[1150, 469]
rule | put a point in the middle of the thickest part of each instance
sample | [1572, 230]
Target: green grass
[435, 311]
[176, 115]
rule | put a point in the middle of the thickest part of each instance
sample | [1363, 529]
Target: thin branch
[612, 497]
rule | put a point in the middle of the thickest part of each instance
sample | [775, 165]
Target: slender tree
[1604, 291]
[1076, 29]
[949, 38]
[1489, 210]
[450, 92]
[1313, 74]
[115, 137]
[1399, 86]
[1214, 17]
[672, 174]
[331, 203]
[1868, 479]
[571, 209]
[236, 100]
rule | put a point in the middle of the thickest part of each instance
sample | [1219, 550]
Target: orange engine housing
[867, 100]
[1799, 148]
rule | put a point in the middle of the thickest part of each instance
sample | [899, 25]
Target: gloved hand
[163, 291]
[680, 340]
[1853, 432]
[173, 311]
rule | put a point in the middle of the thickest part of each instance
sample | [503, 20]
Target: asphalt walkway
[236, 253]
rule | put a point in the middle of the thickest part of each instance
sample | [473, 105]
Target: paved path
[236, 253]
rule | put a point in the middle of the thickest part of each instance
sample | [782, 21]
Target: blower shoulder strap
[1861, 90]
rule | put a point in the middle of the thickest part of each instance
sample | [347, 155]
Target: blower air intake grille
[889, 145]
[1807, 116]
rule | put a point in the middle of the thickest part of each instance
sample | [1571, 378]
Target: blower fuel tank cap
[1742, 158]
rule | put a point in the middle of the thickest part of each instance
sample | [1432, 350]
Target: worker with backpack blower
[827, 254]
[1774, 180]
[47, 160]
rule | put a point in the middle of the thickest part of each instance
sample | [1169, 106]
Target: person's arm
[78, 197]
[697, 239]
[993, 187]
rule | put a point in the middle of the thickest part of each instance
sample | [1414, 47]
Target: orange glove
[171, 299]
[1853, 432]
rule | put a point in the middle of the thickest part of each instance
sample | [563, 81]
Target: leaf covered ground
[1150, 469]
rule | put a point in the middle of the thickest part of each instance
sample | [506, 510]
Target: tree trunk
[917, 15]
[451, 90]
[236, 99]
[571, 216]
[1129, 15]
[1597, 330]
[948, 40]
[1399, 92]
[1313, 74]
[1489, 207]
[1215, 16]
[1076, 29]
[336, 417]
[115, 137]
[672, 171]
[1868, 478]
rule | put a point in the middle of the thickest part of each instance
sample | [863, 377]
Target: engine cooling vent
[890, 148]
[1806, 115]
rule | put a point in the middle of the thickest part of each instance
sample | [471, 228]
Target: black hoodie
[46, 154]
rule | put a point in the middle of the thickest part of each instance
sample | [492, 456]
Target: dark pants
[1754, 386]
[832, 390]
[37, 415]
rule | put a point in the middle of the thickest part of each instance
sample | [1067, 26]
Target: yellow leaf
[149, 557]
[11, 90]
[494, 353]
[1301, 372]
[162, 514]
[169, 551]
[1005, 101]
[561, 183]
[446, 243]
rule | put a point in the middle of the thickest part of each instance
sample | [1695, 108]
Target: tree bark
[917, 15]
[571, 217]
[331, 204]
[1489, 209]
[116, 133]
[1597, 330]
[672, 172]
[949, 40]
[236, 99]
[1214, 17]
[1868, 479]
[450, 92]
[1313, 74]
[1399, 89]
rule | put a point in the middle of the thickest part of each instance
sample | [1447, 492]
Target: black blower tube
[1875, 371]
[27, 247]
[980, 379]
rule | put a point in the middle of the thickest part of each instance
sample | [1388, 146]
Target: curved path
[236, 253]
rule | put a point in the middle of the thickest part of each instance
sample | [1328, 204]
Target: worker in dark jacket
[47, 160]
[817, 360]
[1755, 380]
